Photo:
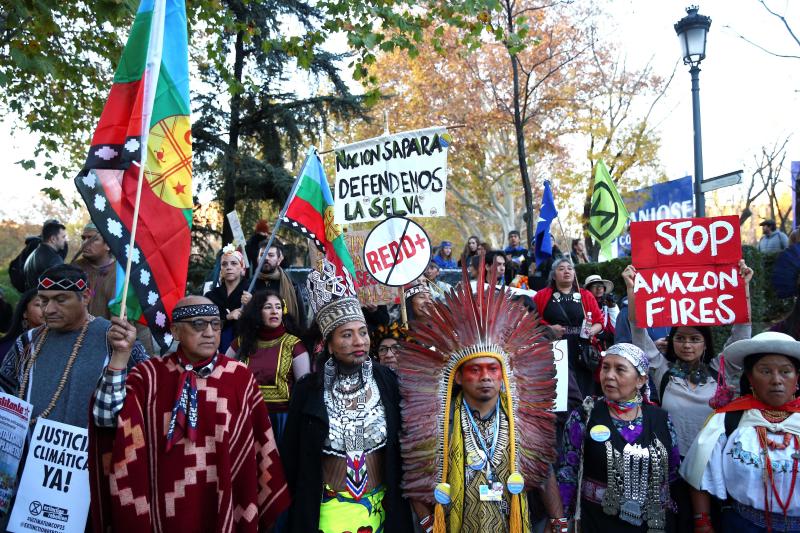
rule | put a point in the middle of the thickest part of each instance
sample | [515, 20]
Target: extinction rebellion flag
[146, 122]
[608, 215]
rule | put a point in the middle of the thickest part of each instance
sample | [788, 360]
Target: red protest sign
[687, 272]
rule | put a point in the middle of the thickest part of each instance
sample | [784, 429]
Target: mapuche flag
[310, 211]
[608, 215]
[146, 120]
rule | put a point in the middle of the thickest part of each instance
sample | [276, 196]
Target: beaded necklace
[67, 369]
[769, 478]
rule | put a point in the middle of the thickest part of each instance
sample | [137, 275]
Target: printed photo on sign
[14, 417]
[404, 174]
[397, 251]
[687, 272]
[53, 494]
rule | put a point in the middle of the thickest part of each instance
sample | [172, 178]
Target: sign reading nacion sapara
[404, 174]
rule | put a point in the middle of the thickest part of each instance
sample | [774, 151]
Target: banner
[404, 174]
[14, 416]
[53, 495]
[369, 291]
[672, 199]
[687, 272]
[238, 235]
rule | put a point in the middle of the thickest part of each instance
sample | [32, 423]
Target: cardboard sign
[53, 495]
[561, 361]
[404, 174]
[368, 290]
[14, 417]
[687, 272]
[397, 251]
[238, 234]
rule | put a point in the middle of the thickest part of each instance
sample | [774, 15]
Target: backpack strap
[732, 419]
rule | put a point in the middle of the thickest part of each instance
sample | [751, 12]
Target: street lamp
[692, 30]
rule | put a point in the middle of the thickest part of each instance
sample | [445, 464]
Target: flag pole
[289, 198]
[134, 226]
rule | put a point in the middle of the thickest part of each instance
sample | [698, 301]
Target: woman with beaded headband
[386, 343]
[228, 294]
[620, 453]
[341, 448]
[477, 386]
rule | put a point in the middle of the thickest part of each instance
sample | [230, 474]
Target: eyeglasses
[200, 325]
[383, 350]
[688, 340]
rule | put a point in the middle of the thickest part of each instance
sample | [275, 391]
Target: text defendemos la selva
[404, 174]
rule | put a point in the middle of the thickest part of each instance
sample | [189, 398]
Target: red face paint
[475, 372]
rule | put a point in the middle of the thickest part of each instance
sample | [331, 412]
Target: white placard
[404, 174]
[53, 495]
[397, 251]
[561, 361]
[238, 234]
[14, 417]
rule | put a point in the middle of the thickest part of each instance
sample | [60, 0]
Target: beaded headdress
[466, 326]
[332, 297]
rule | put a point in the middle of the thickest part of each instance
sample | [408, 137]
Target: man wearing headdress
[184, 443]
[60, 362]
[477, 386]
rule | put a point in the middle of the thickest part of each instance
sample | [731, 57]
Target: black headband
[62, 283]
[191, 311]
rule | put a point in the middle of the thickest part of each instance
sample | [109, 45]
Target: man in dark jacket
[50, 252]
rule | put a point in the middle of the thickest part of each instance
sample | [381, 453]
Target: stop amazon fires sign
[687, 272]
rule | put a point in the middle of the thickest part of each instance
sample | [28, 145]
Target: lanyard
[481, 442]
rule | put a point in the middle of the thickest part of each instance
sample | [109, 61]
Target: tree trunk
[231, 166]
[519, 131]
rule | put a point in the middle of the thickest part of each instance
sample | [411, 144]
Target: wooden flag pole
[131, 249]
[403, 311]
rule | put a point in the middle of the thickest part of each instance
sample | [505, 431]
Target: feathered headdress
[467, 325]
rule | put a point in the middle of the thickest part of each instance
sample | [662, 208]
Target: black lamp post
[692, 31]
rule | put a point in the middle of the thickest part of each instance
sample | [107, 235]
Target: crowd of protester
[663, 432]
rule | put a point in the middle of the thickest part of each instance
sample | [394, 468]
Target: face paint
[475, 372]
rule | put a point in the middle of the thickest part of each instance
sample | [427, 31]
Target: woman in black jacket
[341, 450]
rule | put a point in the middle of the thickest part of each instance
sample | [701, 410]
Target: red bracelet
[115, 369]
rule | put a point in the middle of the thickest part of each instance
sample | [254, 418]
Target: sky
[747, 97]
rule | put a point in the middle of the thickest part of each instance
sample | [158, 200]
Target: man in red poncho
[183, 443]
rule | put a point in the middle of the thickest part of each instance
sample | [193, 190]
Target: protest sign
[14, 416]
[238, 234]
[368, 290]
[687, 272]
[404, 174]
[53, 494]
[397, 251]
[562, 375]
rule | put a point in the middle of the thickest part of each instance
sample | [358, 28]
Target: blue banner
[672, 199]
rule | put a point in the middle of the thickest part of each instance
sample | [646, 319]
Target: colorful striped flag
[146, 119]
[310, 212]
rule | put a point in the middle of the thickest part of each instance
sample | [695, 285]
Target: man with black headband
[58, 367]
[190, 442]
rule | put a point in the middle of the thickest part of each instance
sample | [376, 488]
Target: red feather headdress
[484, 323]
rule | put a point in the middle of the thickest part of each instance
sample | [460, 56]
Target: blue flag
[543, 242]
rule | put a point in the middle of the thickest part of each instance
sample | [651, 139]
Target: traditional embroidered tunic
[228, 479]
[734, 465]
